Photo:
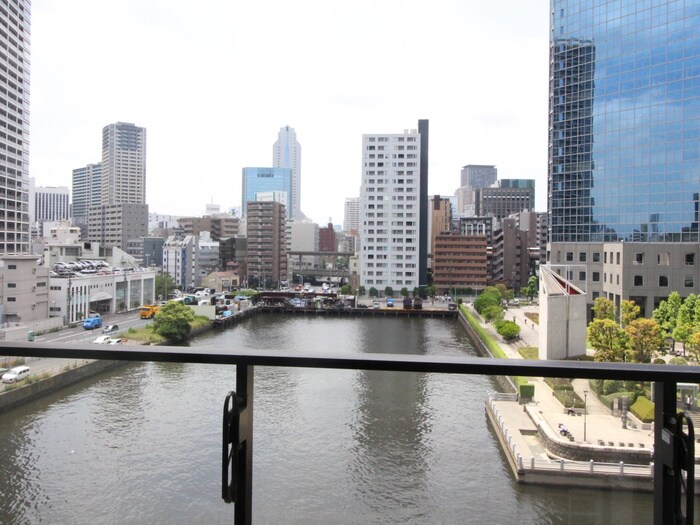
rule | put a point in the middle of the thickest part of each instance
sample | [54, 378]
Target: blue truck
[90, 323]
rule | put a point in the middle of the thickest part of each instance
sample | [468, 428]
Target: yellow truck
[149, 311]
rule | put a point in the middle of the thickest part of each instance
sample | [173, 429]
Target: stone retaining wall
[31, 391]
[583, 452]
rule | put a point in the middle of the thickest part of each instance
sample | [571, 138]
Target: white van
[15, 374]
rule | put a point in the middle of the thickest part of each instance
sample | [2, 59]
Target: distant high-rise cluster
[109, 198]
[14, 124]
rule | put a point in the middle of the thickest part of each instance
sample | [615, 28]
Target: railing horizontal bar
[387, 362]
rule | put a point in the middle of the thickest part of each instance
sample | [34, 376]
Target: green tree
[416, 292]
[693, 345]
[164, 285]
[666, 314]
[604, 308]
[173, 321]
[489, 297]
[502, 289]
[645, 339]
[608, 340]
[431, 290]
[404, 291]
[346, 289]
[388, 291]
[508, 330]
[493, 313]
[629, 311]
[532, 287]
[361, 291]
[687, 320]
[373, 292]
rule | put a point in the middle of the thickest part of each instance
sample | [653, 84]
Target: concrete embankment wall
[29, 392]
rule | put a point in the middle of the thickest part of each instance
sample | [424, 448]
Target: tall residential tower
[123, 164]
[14, 126]
[394, 209]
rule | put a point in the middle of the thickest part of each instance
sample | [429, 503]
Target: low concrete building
[24, 288]
[221, 281]
[562, 314]
[74, 298]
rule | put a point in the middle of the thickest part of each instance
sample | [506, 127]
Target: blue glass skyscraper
[624, 143]
[263, 180]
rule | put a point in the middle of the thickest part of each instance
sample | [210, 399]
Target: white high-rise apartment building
[51, 204]
[123, 164]
[351, 215]
[390, 211]
[286, 153]
[14, 126]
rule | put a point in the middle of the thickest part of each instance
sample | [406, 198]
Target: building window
[596, 256]
[581, 276]
[605, 257]
[569, 256]
[617, 258]
[596, 295]
[582, 257]
[11, 266]
[11, 299]
[663, 280]
[596, 277]
[689, 282]
[638, 280]
[12, 285]
[638, 258]
[663, 259]
[689, 259]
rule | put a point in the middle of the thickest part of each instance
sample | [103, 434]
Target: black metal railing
[673, 432]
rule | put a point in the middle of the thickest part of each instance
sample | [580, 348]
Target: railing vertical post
[664, 482]
[244, 475]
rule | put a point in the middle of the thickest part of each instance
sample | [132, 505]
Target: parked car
[16, 374]
[451, 306]
[110, 328]
[115, 341]
[103, 340]
[376, 305]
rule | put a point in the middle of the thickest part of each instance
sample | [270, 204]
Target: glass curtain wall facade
[263, 180]
[624, 139]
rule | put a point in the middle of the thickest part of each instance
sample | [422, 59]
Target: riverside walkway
[610, 456]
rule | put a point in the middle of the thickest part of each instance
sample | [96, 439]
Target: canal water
[142, 444]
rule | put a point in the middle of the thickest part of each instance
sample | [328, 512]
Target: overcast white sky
[214, 80]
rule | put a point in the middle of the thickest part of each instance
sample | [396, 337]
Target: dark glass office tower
[624, 137]
[624, 140]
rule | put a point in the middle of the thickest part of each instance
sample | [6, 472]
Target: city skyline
[329, 107]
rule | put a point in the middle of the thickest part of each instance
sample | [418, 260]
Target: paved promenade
[521, 427]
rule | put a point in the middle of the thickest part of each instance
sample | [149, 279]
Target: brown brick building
[459, 261]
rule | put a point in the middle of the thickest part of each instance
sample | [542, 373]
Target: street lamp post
[585, 410]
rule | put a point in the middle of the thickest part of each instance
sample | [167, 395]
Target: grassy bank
[489, 341]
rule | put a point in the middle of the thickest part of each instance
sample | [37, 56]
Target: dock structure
[231, 320]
